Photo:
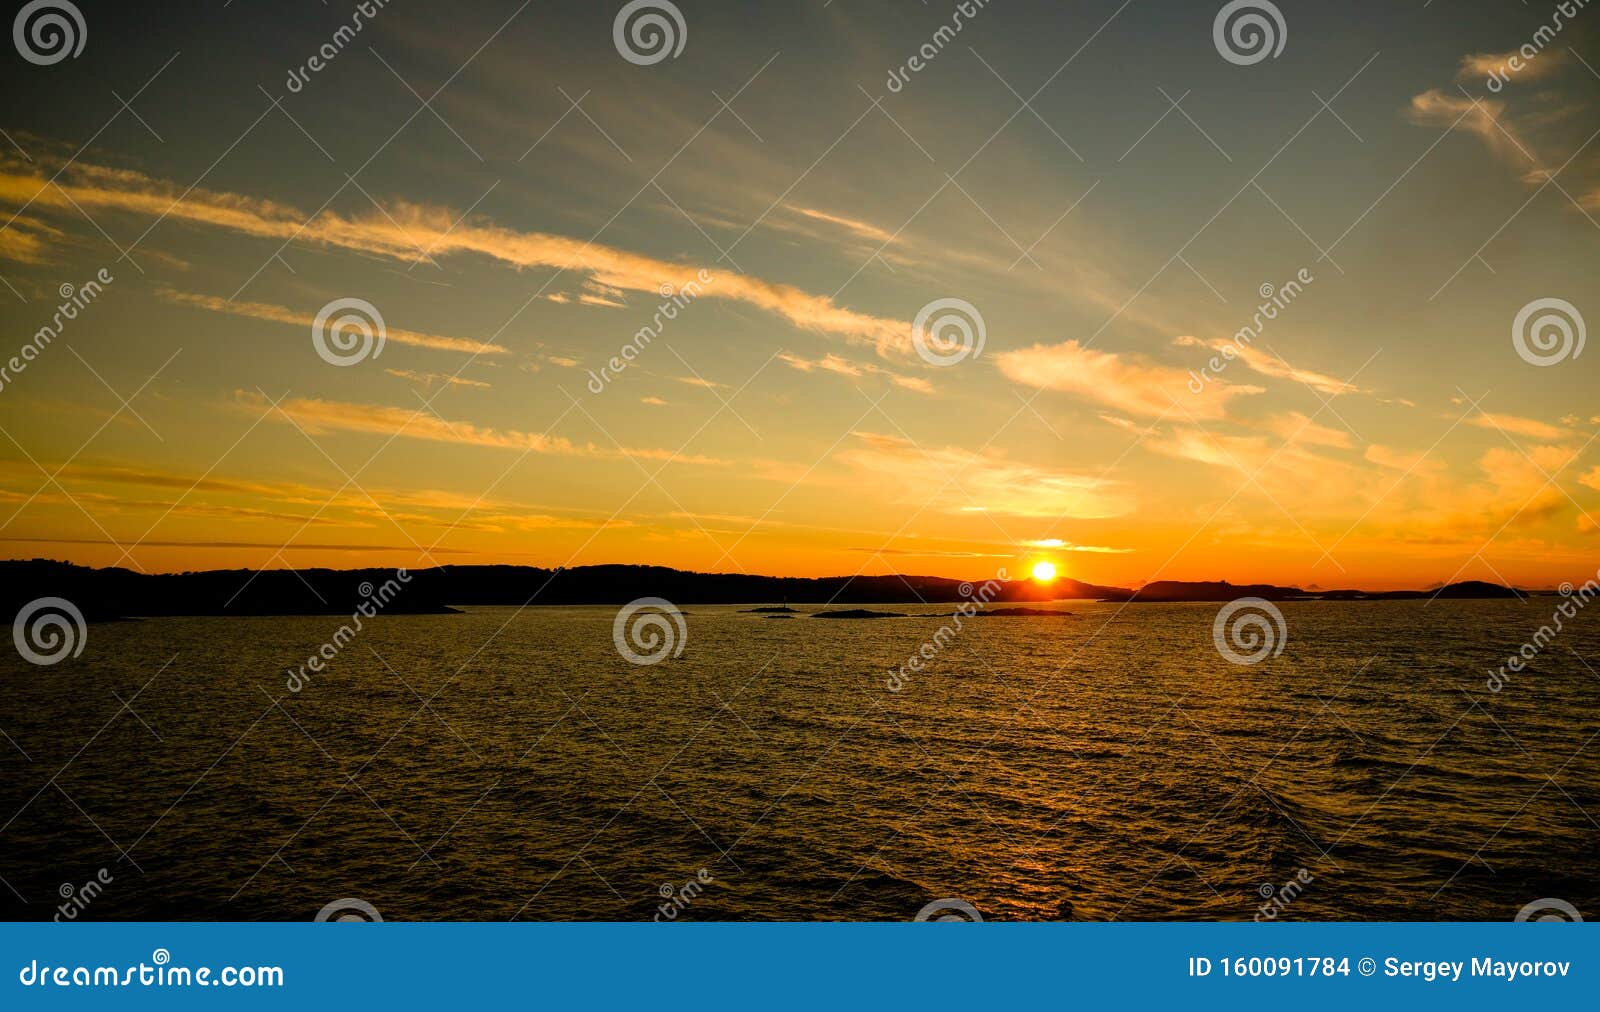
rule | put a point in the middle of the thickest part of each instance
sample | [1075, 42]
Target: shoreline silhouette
[106, 594]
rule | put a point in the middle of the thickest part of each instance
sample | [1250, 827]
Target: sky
[894, 287]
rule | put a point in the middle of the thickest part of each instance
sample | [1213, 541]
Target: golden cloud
[951, 479]
[413, 232]
[1131, 385]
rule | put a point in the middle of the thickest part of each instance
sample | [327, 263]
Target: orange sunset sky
[513, 197]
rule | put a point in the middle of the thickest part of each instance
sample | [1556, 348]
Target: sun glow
[1044, 572]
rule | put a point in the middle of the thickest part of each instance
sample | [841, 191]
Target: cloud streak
[1514, 423]
[409, 231]
[963, 481]
[282, 314]
[854, 370]
[317, 416]
[1482, 118]
[1267, 363]
[1131, 385]
[1478, 66]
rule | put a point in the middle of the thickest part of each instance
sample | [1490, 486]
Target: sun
[1044, 572]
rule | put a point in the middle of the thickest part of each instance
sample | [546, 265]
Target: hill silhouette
[115, 593]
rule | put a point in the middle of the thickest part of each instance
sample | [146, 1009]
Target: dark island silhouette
[103, 594]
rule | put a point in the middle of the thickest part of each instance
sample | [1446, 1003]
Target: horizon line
[1001, 576]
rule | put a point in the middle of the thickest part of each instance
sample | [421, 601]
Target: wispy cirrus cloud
[854, 226]
[844, 367]
[1058, 545]
[596, 294]
[264, 545]
[367, 507]
[1295, 427]
[1298, 471]
[27, 241]
[1135, 386]
[156, 478]
[930, 553]
[1482, 117]
[1401, 460]
[1515, 423]
[283, 314]
[433, 379]
[1269, 364]
[964, 481]
[317, 416]
[1479, 66]
[409, 231]
[1540, 130]
[117, 505]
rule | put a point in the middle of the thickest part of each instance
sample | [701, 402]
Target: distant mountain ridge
[114, 593]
